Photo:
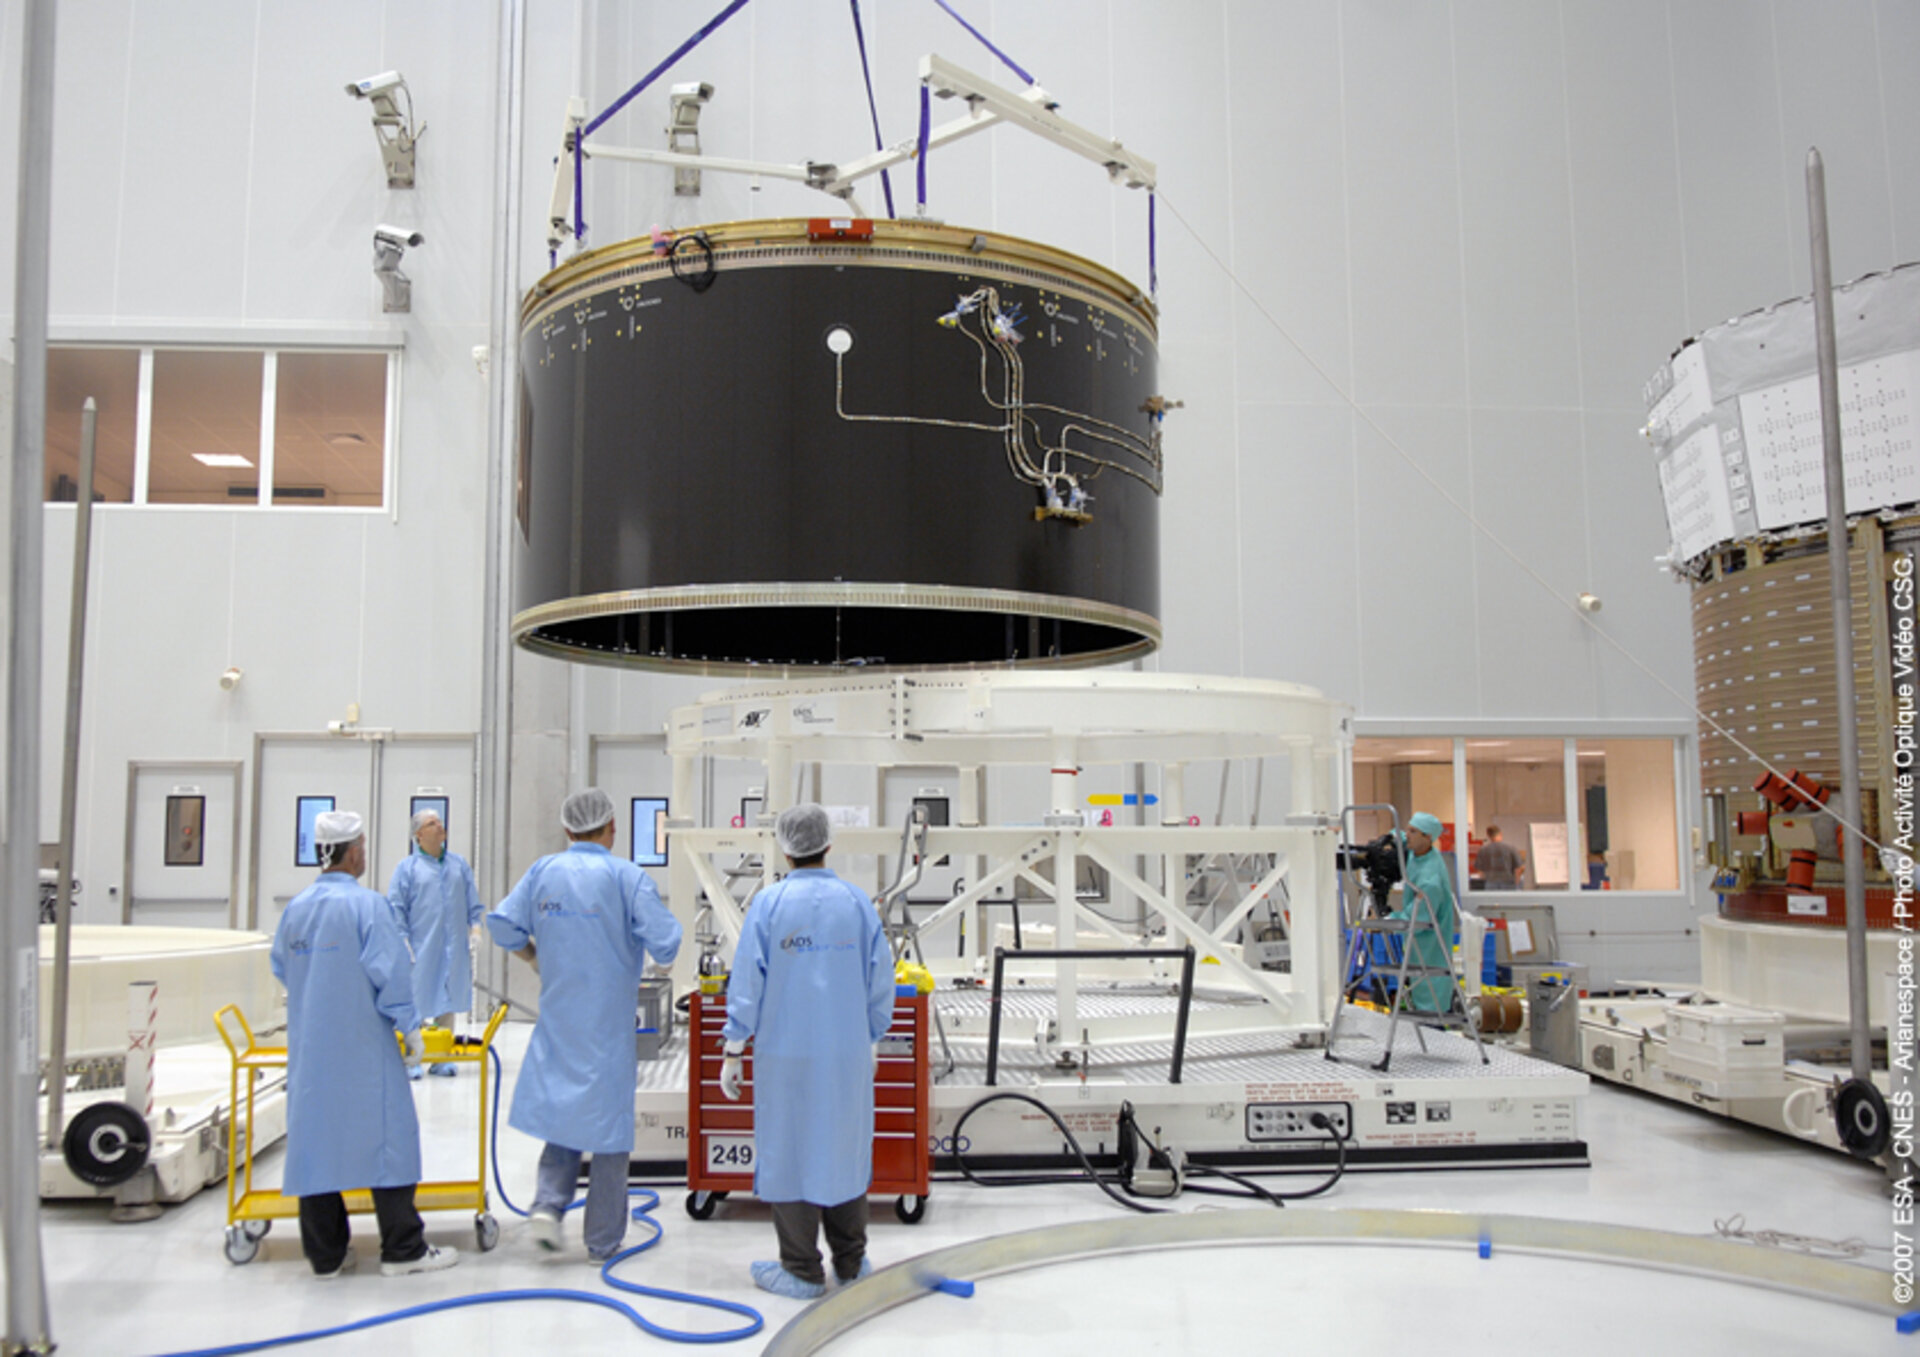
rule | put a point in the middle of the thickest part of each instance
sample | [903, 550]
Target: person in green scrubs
[1427, 874]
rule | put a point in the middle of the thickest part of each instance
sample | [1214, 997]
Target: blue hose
[642, 1214]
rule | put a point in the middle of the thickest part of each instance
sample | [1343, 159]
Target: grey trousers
[798, 1226]
[606, 1210]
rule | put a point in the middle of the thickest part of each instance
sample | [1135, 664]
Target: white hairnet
[335, 826]
[420, 818]
[803, 831]
[586, 811]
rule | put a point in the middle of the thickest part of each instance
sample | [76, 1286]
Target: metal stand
[1420, 921]
[1185, 954]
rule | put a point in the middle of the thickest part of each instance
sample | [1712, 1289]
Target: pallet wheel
[1860, 1116]
[241, 1246]
[910, 1209]
[255, 1229]
[486, 1231]
[106, 1144]
[700, 1204]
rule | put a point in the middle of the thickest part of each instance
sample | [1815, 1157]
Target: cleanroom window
[1519, 787]
[112, 378]
[330, 429]
[1627, 815]
[205, 429]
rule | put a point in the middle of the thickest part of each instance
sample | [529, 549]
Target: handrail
[1104, 954]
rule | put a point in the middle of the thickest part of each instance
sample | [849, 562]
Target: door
[183, 830]
[416, 772]
[295, 776]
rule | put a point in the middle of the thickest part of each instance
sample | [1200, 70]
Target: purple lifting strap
[886, 183]
[920, 158]
[660, 70]
[1010, 63]
[1153, 252]
[580, 226]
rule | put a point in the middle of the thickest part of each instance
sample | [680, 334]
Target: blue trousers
[606, 1210]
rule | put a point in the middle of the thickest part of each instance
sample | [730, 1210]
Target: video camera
[1378, 863]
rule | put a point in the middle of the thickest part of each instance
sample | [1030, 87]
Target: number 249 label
[730, 1154]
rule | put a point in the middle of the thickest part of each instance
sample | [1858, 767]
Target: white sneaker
[433, 1260]
[347, 1265]
[544, 1226]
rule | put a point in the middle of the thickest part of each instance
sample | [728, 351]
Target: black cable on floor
[1088, 1173]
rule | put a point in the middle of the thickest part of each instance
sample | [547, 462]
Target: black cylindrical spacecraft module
[804, 445]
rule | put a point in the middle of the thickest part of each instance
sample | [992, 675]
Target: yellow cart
[251, 1211]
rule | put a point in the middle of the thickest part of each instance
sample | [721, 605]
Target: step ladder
[1422, 922]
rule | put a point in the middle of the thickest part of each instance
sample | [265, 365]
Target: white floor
[166, 1286]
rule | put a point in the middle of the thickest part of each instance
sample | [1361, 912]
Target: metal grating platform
[1276, 1059]
[1440, 1107]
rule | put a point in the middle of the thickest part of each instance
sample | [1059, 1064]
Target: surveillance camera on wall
[384, 83]
[389, 243]
[393, 128]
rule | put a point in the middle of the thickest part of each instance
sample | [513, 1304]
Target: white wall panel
[1043, 191]
[445, 49]
[1416, 565]
[1289, 201]
[420, 636]
[1825, 47]
[1896, 39]
[1178, 122]
[1630, 265]
[1199, 556]
[1733, 189]
[1643, 609]
[310, 230]
[1301, 536]
[89, 155]
[1522, 337]
[1403, 180]
[1533, 651]
[299, 586]
[189, 161]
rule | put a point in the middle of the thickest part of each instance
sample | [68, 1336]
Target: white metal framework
[988, 105]
[1060, 723]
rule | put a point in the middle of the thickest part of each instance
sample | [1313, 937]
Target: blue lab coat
[594, 919]
[1429, 873]
[435, 903]
[350, 1120]
[812, 984]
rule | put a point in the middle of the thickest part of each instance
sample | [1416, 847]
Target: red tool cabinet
[720, 1133]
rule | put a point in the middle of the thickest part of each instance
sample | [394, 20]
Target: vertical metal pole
[1180, 1018]
[496, 682]
[993, 1016]
[70, 783]
[1842, 602]
[1064, 820]
[27, 1327]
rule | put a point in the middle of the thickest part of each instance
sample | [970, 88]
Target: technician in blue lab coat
[1427, 872]
[587, 921]
[438, 909]
[350, 1120]
[812, 984]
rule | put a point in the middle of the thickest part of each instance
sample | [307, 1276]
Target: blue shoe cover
[770, 1276]
[446, 1070]
[866, 1270]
